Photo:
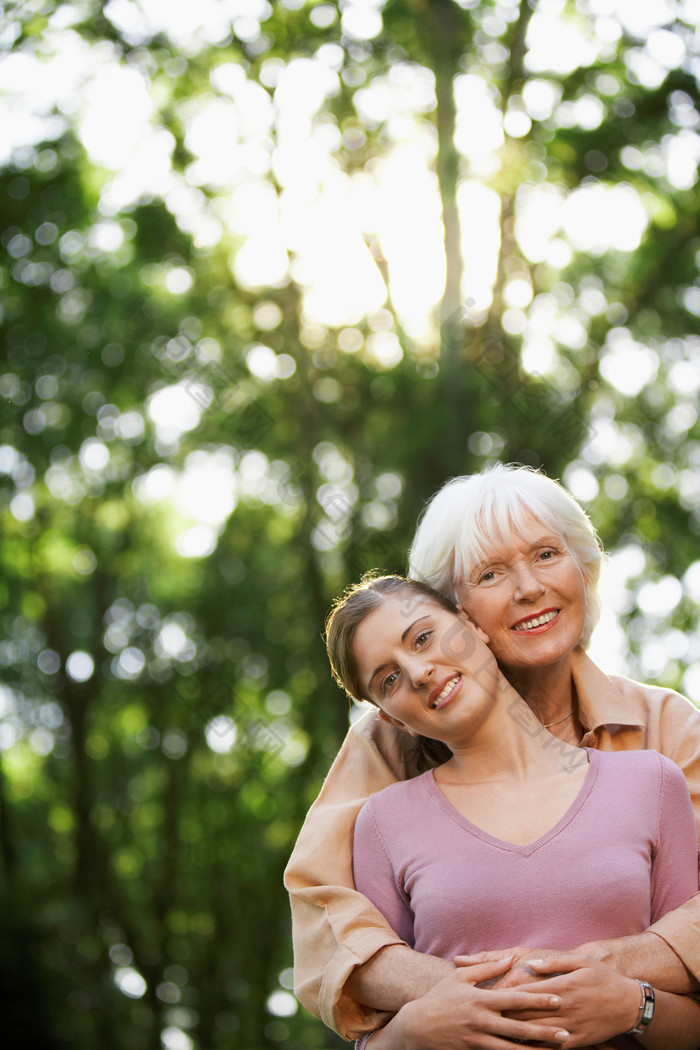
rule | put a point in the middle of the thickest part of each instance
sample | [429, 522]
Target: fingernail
[555, 1001]
[535, 962]
[561, 1036]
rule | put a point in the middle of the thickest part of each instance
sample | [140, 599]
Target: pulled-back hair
[348, 613]
[470, 515]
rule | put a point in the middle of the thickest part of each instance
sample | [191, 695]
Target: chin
[545, 657]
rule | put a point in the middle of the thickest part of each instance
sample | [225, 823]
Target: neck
[511, 745]
[549, 690]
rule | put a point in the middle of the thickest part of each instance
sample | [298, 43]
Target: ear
[395, 722]
[473, 624]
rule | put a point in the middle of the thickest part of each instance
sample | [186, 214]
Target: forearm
[645, 956]
[395, 976]
[676, 1024]
[458, 1013]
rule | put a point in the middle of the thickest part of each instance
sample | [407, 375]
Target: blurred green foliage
[168, 719]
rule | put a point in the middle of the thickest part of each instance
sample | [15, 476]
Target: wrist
[645, 1009]
[407, 1026]
[604, 951]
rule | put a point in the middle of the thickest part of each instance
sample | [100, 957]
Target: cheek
[485, 612]
[575, 587]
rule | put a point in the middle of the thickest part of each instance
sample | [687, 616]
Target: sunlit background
[229, 391]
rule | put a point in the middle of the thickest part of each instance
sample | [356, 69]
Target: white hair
[462, 523]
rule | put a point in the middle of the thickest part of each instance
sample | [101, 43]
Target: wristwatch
[646, 1009]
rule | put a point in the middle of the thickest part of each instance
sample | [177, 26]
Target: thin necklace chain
[549, 724]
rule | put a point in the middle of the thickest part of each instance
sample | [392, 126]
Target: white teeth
[537, 621]
[446, 690]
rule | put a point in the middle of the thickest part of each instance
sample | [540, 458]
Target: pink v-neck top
[624, 854]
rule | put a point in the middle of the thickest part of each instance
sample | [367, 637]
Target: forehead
[513, 537]
[397, 610]
[387, 622]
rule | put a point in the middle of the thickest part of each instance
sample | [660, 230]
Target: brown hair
[352, 609]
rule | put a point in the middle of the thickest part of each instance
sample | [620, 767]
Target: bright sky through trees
[320, 225]
[318, 222]
[324, 217]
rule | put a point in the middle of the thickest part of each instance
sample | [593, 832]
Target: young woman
[522, 559]
[509, 835]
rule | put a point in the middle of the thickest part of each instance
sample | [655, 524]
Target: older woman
[494, 542]
[508, 836]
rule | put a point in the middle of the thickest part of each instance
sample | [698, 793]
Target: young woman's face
[529, 598]
[429, 670]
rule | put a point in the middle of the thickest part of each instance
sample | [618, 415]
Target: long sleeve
[674, 730]
[335, 928]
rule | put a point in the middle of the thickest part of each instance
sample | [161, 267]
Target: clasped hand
[597, 1001]
[457, 1015]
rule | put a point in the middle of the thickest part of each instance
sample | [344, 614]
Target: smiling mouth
[445, 691]
[536, 621]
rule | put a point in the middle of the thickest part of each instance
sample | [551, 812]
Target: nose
[420, 670]
[527, 585]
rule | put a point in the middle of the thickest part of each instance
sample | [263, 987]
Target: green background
[141, 902]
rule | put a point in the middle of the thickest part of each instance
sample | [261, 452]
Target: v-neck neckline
[529, 848]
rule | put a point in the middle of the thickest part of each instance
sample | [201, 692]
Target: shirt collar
[600, 700]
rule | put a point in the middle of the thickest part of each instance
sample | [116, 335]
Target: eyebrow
[405, 634]
[550, 539]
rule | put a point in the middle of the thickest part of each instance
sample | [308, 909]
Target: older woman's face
[529, 598]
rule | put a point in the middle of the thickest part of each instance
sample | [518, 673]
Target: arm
[647, 956]
[334, 927]
[644, 956]
[675, 903]
[394, 976]
[676, 734]
[674, 895]
[581, 982]
[597, 1001]
[457, 1014]
[676, 1023]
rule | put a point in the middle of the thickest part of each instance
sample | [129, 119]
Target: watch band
[646, 1009]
